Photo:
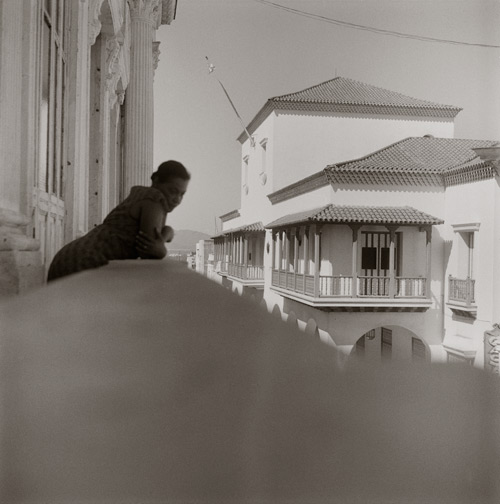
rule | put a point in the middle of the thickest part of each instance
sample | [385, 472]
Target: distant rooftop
[426, 160]
[345, 95]
[247, 228]
[412, 161]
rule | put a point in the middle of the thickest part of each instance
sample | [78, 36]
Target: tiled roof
[415, 160]
[230, 215]
[348, 91]
[247, 228]
[346, 214]
[345, 95]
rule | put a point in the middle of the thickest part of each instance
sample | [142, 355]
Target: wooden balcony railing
[461, 290]
[245, 272]
[342, 286]
[221, 267]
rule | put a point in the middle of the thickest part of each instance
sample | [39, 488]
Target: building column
[245, 257]
[20, 259]
[306, 255]
[139, 107]
[280, 253]
[355, 232]
[392, 246]
[295, 256]
[428, 261]
[317, 258]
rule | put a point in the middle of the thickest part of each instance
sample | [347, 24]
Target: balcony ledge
[462, 309]
[259, 283]
[339, 303]
[143, 381]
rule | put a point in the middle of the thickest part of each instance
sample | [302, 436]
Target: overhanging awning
[247, 228]
[347, 214]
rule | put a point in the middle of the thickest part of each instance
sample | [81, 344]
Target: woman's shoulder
[140, 193]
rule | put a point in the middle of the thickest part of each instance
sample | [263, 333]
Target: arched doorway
[390, 343]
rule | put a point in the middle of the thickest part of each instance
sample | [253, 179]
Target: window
[360, 347]
[465, 248]
[386, 341]
[48, 178]
[51, 136]
[369, 258]
[375, 253]
[417, 350]
[245, 173]
[263, 164]
[459, 359]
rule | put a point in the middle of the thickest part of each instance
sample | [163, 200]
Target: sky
[260, 51]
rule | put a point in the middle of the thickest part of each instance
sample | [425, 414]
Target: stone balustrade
[145, 382]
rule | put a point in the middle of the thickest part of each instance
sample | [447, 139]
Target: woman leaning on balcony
[135, 228]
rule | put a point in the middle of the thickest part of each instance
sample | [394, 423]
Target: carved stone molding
[168, 11]
[113, 68]
[156, 54]
[148, 11]
[120, 94]
[94, 20]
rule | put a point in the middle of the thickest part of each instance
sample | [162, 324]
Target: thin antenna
[211, 69]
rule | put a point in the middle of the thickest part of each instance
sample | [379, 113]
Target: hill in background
[185, 241]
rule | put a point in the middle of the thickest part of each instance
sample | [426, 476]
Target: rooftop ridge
[364, 87]
[342, 95]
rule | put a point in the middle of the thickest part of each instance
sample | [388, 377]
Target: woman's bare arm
[150, 243]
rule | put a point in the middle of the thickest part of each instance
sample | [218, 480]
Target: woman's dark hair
[169, 170]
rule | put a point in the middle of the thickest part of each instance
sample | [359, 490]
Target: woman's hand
[150, 248]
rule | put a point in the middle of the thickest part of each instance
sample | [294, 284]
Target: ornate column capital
[148, 11]
[94, 20]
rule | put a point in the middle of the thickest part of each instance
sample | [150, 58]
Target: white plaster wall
[305, 142]
[466, 204]
[254, 202]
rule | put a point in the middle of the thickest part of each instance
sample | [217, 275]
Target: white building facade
[353, 225]
[76, 101]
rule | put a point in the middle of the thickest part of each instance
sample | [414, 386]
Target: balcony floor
[358, 304]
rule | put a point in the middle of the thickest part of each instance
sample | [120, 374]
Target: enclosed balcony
[354, 258]
[239, 254]
[461, 296]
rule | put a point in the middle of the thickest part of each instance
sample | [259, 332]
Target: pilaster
[145, 17]
[20, 261]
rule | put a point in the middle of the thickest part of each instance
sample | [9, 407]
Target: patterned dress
[113, 239]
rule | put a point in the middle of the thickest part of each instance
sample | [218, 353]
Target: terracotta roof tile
[417, 154]
[348, 91]
[343, 95]
[412, 161]
[345, 214]
[247, 228]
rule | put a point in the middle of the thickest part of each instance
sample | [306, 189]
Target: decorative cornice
[469, 227]
[303, 186]
[94, 21]
[148, 11]
[382, 177]
[468, 174]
